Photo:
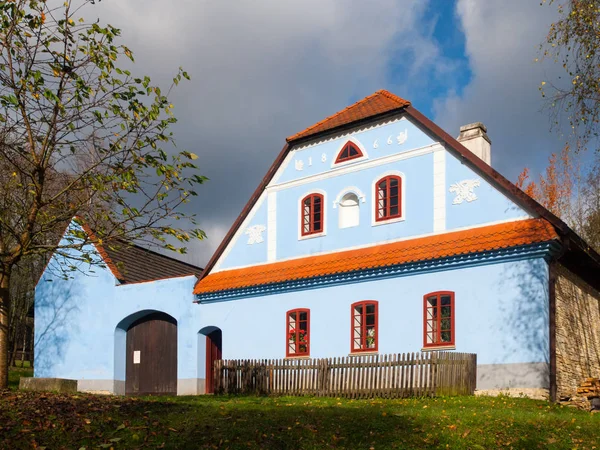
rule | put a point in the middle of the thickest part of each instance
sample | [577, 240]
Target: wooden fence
[365, 376]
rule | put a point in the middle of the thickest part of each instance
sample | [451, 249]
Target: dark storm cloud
[263, 70]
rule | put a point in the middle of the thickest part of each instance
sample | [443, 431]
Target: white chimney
[474, 137]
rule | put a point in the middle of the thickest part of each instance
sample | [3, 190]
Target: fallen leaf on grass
[466, 433]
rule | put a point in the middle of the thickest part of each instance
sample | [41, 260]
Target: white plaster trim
[239, 232]
[438, 347]
[338, 171]
[324, 213]
[439, 190]
[293, 150]
[254, 233]
[354, 131]
[390, 241]
[374, 221]
[271, 226]
[350, 189]
[351, 161]
[464, 190]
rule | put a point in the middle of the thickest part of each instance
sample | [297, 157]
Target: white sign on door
[136, 357]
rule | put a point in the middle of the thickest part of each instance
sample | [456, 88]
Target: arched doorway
[213, 350]
[150, 353]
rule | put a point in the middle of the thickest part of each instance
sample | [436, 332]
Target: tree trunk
[4, 309]
[12, 352]
[24, 348]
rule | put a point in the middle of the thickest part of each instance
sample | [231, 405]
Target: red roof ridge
[321, 126]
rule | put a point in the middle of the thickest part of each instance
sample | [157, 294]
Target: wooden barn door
[151, 366]
[213, 352]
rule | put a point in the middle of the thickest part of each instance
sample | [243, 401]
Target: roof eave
[345, 127]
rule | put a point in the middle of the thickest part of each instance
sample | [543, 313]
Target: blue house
[374, 231]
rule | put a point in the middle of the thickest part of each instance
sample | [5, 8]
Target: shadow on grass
[57, 421]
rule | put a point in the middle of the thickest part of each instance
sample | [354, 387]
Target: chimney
[474, 137]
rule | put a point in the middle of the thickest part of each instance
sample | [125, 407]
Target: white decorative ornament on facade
[401, 138]
[310, 160]
[376, 144]
[389, 140]
[255, 234]
[464, 191]
[299, 164]
[323, 157]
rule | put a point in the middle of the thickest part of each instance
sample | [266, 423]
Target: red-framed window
[388, 192]
[313, 214]
[363, 326]
[298, 332]
[438, 318]
[348, 152]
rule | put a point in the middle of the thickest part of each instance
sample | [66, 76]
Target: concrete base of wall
[513, 376]
[119, 387]
[61, 385]
[189, 386]
[537, 394]
[96, 386]
[185, 386]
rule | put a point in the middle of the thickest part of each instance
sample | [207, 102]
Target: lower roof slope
[134, 264]
[492, 237]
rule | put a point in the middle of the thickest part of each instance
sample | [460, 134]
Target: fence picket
[356, 376]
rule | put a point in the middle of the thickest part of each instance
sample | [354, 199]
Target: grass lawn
[15, 373]
[57, 421]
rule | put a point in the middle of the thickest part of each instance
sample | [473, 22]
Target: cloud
[502, 42]
[263, 70]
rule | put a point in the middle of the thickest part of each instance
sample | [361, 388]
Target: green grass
[23, 364]
[61, 421]
[15, 373]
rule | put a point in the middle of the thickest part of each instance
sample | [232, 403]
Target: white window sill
[298, 357]
[376, 223]
[363, 353]
[441, 347]
[311, 236]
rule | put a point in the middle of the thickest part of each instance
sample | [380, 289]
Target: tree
[81, 137]
[569, 192]
[574, 42]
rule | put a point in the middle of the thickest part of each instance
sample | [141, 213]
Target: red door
[213, 352]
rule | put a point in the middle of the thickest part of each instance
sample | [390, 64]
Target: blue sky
[265, 69]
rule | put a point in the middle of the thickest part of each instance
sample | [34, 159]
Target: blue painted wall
[501, 314]
[314, 155]
[76, 323]
[418, 170]
[490, 206]
[418, 209]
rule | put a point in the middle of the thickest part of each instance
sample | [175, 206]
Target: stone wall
[577, 332]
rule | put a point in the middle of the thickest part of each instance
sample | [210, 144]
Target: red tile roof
[455, 243]
[378, 103]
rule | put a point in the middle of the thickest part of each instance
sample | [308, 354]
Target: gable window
[298, 332]
[388, 192]
[348, 152]
[364, 319]
[438, 315]
[312, 213]
[349, 211]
